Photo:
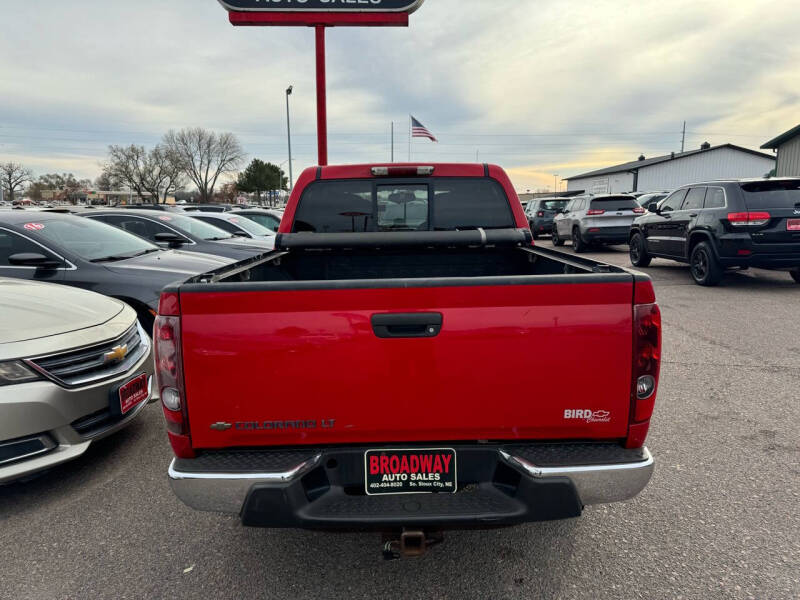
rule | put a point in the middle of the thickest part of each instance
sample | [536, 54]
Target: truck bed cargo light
[401, 171]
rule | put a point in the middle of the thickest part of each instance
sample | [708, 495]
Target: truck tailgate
[304, 367]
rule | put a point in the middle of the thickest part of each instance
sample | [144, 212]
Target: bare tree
[12, 177]
[157, 172]
[205, 156]
[167, 173]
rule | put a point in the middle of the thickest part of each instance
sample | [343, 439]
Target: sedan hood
[31, 310]
[149, 273]
[174, 264]
[250, 243]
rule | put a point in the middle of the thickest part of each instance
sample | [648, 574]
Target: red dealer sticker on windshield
[410, 471]
[33, 226]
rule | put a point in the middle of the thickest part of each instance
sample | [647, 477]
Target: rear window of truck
[442, 204]
[772, 194]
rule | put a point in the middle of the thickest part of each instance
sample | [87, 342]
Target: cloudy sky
[541, 87]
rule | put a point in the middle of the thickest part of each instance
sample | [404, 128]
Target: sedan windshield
[94, 241]
[196, 227]
[251, 227]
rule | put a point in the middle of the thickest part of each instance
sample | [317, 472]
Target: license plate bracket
[410, 471]
[130, 394]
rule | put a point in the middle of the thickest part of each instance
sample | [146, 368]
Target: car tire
[557, 241]
[534, 234]
[795, 273]
[704, 266]
[638, 252]
[578, 245]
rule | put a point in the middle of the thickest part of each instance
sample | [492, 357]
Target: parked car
[601, 219]
[237, 225]
[75, 367]
[208, 207]
[158, 207]
[266, 217]
[402, 327]
[540, 213]
[80, 252]
[645, 200]
[722, 224]
[181, 231]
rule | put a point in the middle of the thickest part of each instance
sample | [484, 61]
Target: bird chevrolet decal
[590, 416]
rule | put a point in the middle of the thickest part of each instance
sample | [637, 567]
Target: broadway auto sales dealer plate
[133, 393]
[410, 471]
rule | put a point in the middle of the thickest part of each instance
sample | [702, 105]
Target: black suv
[722, 224]
[540, 213]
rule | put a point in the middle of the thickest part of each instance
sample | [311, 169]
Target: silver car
[75, 366]
[601, 219]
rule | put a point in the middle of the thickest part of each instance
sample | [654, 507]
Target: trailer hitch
[410, 544]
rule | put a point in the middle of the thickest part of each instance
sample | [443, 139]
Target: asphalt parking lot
[719, 518]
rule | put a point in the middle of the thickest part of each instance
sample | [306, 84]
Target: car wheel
[795, 273]
[577, 241]
[557, 241]
[534, 234]
[704, 266]
[638, 252]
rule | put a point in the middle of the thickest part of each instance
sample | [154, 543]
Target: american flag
[419, 130]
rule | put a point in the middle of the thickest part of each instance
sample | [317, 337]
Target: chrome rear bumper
[222, 482]
[597, 484]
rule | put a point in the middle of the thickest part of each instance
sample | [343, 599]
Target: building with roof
[668, 172]
[787, 145]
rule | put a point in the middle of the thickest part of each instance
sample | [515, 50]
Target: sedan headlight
[14, 371]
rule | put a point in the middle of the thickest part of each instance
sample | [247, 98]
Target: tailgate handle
[407, 325]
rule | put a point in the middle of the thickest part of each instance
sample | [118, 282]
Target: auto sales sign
[321, 6]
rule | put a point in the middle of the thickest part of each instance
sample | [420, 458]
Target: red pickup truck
[407, 359]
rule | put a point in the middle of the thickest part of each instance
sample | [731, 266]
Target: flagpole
[392, 141]
[409, 138]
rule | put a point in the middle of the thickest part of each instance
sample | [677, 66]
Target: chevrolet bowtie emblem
[118, 353]
[221, 426]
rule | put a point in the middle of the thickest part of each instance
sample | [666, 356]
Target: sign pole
[320, 14]
[322, 109]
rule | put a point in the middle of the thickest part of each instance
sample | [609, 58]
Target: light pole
[289, 135]
[555, 183]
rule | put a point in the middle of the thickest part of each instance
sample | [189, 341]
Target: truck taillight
[646, 362]
[739, 219]
[169, 378]
[595, 211]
